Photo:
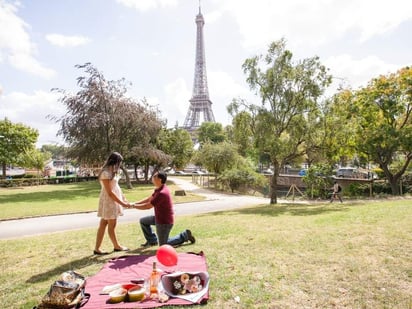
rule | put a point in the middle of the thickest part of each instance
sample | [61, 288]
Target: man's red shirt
[163, 205]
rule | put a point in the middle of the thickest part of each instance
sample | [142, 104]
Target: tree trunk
[394, 178]
[393, 181]
[274, 189]
[128, 182]
[274, 184]
[146, 173]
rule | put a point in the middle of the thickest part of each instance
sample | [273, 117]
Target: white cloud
[212, 16]
[27, 63]
[224, 85]
[222, 90]
[15, 43]
[145, 5]
[312, 23]
[358, 72]
[177, 104]
[67, 41]
[32, 110]
[13, 35]
[373, 17]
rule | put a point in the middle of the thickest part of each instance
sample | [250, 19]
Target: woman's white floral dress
[108, 208]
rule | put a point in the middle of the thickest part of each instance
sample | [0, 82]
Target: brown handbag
[65, 293]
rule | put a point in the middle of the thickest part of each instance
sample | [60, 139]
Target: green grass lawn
[67, 198]
[350, 255]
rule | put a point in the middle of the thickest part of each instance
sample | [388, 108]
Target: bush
[378, 188]
[318, 185]
[357, 189]
[237, 179]
[381, 187]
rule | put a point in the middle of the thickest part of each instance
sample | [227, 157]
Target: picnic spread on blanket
[142, 281]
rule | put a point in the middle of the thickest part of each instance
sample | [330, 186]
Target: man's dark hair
[162, 175]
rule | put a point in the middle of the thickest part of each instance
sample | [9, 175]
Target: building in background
[200, 103]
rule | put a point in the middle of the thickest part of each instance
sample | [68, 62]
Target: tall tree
[148, 156]
[289, 92]
[56, 151]
[100, 118]
[217, 157]
[242, 175]
[339, 143]
[211, 132]
[177, 143]
[37, 159]
[243, 131]
[15, 140]
[382, 111]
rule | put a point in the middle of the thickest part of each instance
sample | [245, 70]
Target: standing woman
[111, 202]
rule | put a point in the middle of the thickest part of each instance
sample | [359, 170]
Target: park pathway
[214, 201]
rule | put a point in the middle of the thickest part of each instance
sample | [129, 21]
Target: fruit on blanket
[136, 293]
[118, 295]
[167, 255]
[129, 286]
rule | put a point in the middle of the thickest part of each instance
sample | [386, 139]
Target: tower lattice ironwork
[200, 102]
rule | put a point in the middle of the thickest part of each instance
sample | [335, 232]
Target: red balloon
[167, 255]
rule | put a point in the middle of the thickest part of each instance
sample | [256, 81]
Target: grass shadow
[282, 209]
[85, 261]
[77, 265]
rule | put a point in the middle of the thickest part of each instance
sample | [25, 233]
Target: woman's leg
[111, 229]
[100, 234]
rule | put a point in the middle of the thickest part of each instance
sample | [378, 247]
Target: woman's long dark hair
[115, 159]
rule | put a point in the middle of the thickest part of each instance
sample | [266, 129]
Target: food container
[183, 283]
[136, 293]
[118, 295]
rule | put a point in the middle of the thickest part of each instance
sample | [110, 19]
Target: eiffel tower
[200, 102]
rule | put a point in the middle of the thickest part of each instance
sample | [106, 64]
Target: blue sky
[151, 43]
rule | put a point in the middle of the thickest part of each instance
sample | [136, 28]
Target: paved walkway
[43, 225]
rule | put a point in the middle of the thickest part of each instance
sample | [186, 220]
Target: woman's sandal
[121, 249]
[95, 252]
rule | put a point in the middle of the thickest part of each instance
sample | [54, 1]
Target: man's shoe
[149, 244]
[190, 237]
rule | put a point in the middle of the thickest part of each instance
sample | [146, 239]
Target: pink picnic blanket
[130, 267]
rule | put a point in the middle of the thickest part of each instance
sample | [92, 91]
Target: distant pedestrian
[111, 203]
[336, 191]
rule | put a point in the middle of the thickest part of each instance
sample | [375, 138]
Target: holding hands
[133, 205]
[129, 205]
[139, 205]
